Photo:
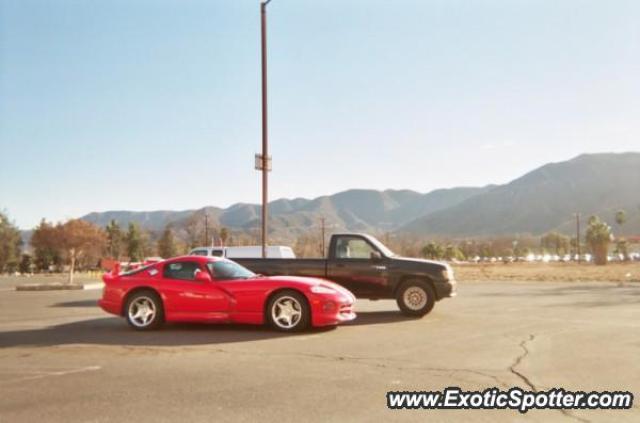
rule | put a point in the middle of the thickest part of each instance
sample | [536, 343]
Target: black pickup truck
[366, 267]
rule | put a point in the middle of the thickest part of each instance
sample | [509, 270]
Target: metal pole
[323, 251]
[265, 144]
[578, 235]
[206, 229]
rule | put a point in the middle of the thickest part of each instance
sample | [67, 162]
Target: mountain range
[542, 200]
[546, 199]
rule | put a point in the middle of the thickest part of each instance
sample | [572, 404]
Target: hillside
[353, 210]
[542, 200]
[545, 199]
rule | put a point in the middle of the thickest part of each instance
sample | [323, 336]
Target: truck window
[199, 253]
[353, 248]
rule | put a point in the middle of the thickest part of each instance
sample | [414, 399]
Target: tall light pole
[264, 159]
[322, 223]
[578, 235]
[206, 228]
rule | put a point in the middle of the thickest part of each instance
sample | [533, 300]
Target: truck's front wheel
[415, 298]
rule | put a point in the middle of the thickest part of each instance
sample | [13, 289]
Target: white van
[248, 251]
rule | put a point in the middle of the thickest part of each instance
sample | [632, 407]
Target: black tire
[152, 302]
[415, 298]
[296, 308]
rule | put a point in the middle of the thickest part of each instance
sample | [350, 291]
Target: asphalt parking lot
[64, 360]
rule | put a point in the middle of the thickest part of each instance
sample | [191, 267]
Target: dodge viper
[217, 290]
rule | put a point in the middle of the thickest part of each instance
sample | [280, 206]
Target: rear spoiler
[113, 274]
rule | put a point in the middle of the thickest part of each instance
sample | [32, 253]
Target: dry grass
[569, 272]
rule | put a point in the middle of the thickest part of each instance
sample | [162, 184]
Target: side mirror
[376, 256]
[202, 276]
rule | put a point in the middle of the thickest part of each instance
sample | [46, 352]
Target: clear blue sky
[155, 104]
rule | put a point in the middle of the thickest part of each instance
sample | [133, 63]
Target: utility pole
[322, 229]
[206, 229]
[578, 236]
[263, 161]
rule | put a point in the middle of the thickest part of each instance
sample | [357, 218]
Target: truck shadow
[115, 331]
[380, 317]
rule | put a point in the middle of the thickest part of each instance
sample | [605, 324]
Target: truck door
[355, 266]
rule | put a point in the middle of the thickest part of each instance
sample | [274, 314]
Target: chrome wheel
[142, 311]
[286, 312]
[415, 298]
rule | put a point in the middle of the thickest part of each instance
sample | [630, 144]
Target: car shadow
[82, 303]
[115, 331]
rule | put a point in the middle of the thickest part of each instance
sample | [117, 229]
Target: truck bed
[289, 267]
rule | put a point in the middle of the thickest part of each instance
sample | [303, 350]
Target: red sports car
[217, 290]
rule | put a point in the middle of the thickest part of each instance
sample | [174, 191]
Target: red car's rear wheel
[288, 311]
[144, 310]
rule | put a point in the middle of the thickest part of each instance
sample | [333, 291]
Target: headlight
[321, 289]
[447, 273]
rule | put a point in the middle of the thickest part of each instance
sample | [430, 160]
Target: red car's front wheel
[288, 311]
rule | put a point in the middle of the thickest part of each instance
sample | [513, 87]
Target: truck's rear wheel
[415, 298]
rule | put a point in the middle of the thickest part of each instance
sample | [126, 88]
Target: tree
[556, 242]
[224, 235]
[115, 238]
[621, 217]
[167, 246]
[194, 229]
[432, 251]
[26, 264]
[306, 245]
[78, 239]
[10, 243]
[46, 246]
[134, 243]
[622, 248]
[453, 253]
[598, 237]
[621, 243]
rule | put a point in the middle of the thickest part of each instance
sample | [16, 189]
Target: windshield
[383, 248]
[225, 270]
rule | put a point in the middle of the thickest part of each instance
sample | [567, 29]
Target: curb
[59, 287]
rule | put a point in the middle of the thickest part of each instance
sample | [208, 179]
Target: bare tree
[78, 239]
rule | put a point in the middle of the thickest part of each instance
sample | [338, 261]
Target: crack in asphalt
[568, 414]
[519, 359]
[446, 370]
[528, 381]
